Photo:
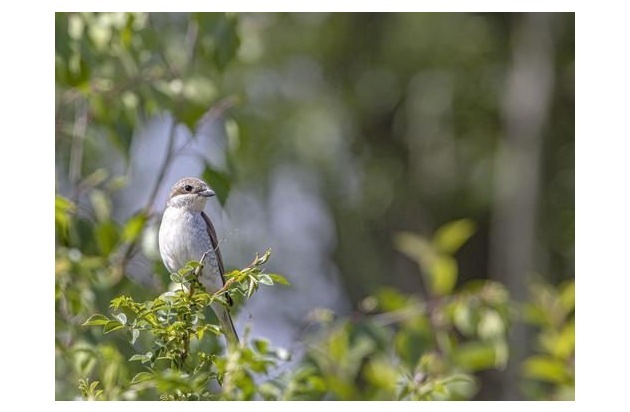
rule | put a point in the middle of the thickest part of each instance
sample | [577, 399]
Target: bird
[186, 233]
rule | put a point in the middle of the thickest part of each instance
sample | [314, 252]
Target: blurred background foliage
[412, 172]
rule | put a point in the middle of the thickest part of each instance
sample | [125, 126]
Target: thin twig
[130, 249]
[214, 112]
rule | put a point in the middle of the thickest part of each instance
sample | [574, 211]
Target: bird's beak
[206, 193]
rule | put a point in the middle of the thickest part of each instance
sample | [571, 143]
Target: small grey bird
[186, 233]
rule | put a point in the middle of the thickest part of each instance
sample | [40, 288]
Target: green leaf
[261, 260]
[134, 227]
[142, 377]
[382, 374]
[463, 318]
[63, 209]
[96, 320]
[491, 325]
[279, 279]
[567, 295]
[101, 204]
[451, 236]
[261, 345]
[176, 278]
[213, 328]
[227, 41]
[106, 236]
[220, 183]
[265, 279]
[251, 288]
[458, 377]
[112, 326]
[443, 275]
[199, 90]
[391, 299]
[560, 344]
[193, 264]
[475, 356]
[141, 357]
[547, 369]
[415, 247]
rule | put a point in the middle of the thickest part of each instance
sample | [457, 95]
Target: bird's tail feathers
[227, 325]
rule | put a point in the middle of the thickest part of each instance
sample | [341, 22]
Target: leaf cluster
[184, 359]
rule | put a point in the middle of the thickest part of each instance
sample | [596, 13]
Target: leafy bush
[394, 347]
[182, 363]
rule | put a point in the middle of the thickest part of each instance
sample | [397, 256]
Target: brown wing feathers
[215, 245]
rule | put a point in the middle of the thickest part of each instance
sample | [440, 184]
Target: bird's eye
[188, 188]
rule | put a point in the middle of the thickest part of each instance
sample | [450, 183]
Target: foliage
[182, 363]
[398, 130]
[396, 346]
[550, 372]
[400, 347]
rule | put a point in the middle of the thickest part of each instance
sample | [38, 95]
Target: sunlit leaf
[560, 344]
[96, 320]
[95, 178]
[106, 237]
[490, 325]
[450, 237]
[199, 90]
[176, 278]
[415, 247]
[141, 357]
[112, 326]
[134, 227]
[261, 345]
[101, 204]
[463, 318]
[458, 377]
[142, 377]
[567, 295]
[546, 368]
[391, 299]
[443, 275]
[193, 264]
[251, 287]
[475, 356]
[63, 208]
[279, 279]
[261, 260]
[213, 328]
[382, 374]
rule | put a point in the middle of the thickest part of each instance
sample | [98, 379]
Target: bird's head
[189, 193]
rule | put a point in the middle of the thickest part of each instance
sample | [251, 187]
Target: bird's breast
[183, 237]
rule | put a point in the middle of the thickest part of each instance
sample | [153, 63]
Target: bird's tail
[227, 325]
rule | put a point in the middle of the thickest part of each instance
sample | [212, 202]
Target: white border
[27, 165]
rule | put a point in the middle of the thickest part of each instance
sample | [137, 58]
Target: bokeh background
[335, 139]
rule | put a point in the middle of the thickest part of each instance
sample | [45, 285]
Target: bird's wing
[215, 245]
